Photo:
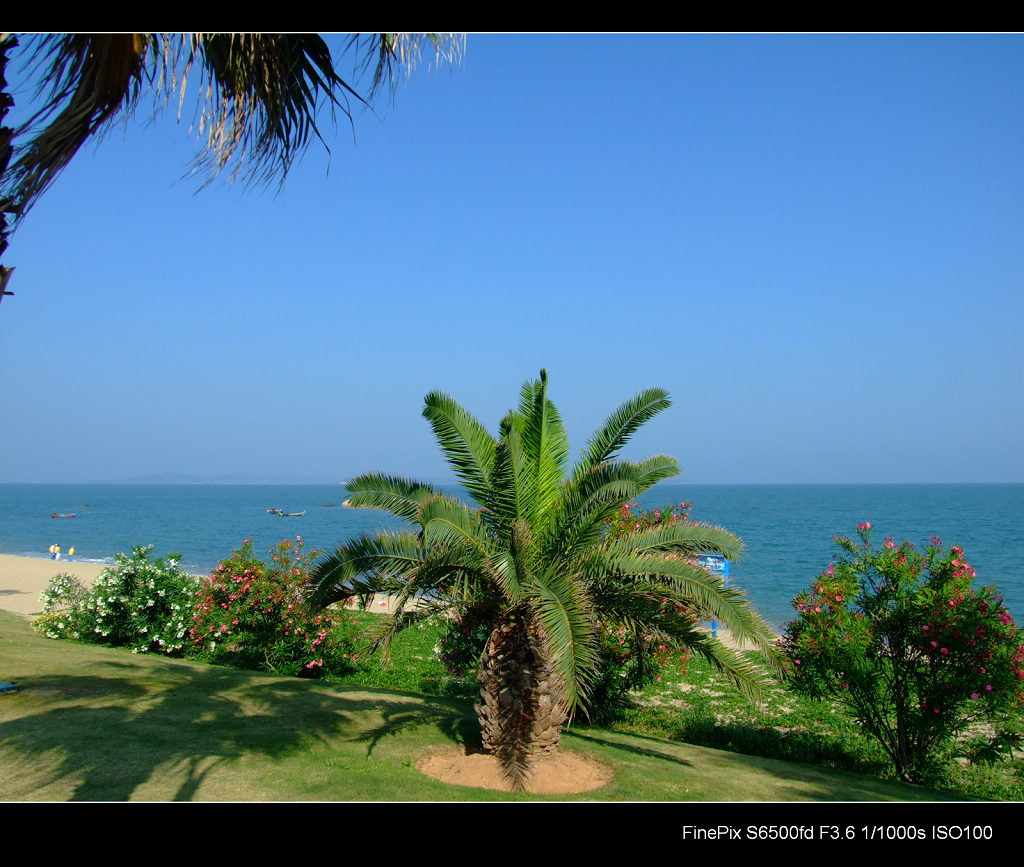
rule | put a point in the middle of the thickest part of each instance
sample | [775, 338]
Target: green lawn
[92, 723]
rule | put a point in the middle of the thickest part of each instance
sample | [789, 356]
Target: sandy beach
[22, 579]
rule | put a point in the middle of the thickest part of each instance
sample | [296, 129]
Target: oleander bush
[250, 614]
[142, 604]
[928, 664]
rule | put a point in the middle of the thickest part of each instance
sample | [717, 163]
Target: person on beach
[55, 552]
[71, 554]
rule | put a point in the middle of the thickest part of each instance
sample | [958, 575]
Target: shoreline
[24, 578]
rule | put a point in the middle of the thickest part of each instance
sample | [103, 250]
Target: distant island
[220, 479]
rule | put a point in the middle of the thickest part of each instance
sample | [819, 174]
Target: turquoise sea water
[787, 529]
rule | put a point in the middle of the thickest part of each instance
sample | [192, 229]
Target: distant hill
[225, 479]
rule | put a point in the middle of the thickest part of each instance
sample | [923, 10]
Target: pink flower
[975, 696]
[944, 651]
[865, 526]
[797, 661]
[988, 687]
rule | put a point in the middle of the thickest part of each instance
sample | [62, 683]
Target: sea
[787, 529]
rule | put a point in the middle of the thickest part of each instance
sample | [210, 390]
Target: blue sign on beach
[716, 564]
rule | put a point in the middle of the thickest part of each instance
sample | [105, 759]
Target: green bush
[250, 614]
[912, 650]
[137, 603]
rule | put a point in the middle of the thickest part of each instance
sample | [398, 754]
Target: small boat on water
[274, 512]
[56, 515]
[284, 514]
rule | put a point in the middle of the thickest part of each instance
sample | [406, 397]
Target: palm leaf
[654, 469]
[688, 583]
[620, 426]
[364, 566]
[685, 538]
[92, 79]
[565, 614]
[449, 522]
[748, 676]
[403, 498]
[467, 446]
[545, 447]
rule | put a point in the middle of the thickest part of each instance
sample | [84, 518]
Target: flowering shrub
[631, 518]
[909, 646]
[251, 614]
[461, 644]
[135, 603]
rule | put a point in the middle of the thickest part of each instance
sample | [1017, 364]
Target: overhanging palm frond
[393, 53]
[260, 95]
[263, 94]
[401, 497]
[91, 79]
[467, 445]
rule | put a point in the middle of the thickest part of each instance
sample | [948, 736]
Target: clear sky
[813, 242]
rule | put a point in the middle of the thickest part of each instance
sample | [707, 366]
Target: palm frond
[447, 522]
[620, 426]
[685, 582]
[684, 538]
[466, 443]
[401, 497]
[587, 504]
[748, 676]
[546, 449]
[654, 469]
[395, 54]
[511, 483]
[91, 79]
[364, 566]
[260, 95]
[564, 611]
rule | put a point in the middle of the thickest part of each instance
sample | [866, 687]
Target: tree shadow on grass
[750, 774]
[105, 736]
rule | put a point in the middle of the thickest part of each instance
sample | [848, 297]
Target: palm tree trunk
[521, 708]
[7, 204]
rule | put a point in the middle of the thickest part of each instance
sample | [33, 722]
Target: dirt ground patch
[565, 773]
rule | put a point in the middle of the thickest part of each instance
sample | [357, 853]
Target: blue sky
[813, 242]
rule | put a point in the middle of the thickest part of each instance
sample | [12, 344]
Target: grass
[92, 723]
[698, 705]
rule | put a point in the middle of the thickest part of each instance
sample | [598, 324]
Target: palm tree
[260, 97]
[532, 561]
